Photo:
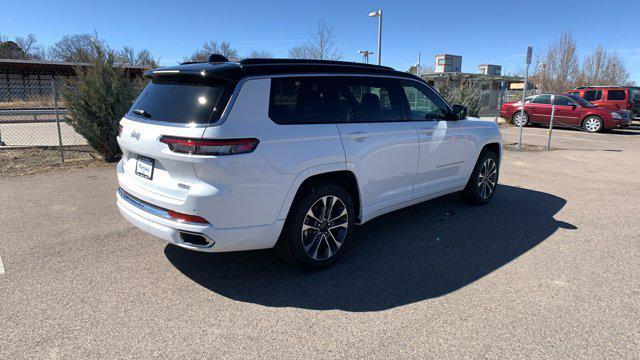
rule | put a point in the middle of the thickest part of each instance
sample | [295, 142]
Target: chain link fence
[32, 115]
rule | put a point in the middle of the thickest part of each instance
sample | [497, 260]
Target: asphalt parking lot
[549, 269]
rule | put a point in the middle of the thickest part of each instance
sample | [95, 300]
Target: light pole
[378, 13]
[365, 55]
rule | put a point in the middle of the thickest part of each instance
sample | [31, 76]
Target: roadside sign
[529, 54]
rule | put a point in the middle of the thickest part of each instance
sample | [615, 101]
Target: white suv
[226, 156]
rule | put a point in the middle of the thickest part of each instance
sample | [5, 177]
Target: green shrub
[465, 93]
[98, 98]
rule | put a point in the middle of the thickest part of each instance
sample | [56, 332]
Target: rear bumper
[222, 240]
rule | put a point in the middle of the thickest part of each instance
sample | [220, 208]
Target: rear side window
[616, 95]
[592, 95]
[299, 100]
[542, 99]
[368, 99]
[181, 102]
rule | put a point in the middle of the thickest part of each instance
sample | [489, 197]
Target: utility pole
[378, 13]
[365, 55]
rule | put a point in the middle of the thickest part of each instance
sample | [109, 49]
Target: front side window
[299, 100]
[592, 95]
[616, 95]
[179, 101]
[423, 102]
[542, 99]
[563, 101]
[367, 99]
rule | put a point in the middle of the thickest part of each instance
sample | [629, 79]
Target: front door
[380, 145]
[568, 113]
[444, 143]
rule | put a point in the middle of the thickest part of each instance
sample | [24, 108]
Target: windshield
[582, 102]
[181, 102]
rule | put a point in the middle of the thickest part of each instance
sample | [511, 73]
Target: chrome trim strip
[152, 209]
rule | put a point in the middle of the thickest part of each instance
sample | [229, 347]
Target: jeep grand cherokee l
[261, 153]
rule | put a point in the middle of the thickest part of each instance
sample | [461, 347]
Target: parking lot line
[1, 267]
[557, 137]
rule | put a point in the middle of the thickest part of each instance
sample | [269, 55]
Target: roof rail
[255, 61]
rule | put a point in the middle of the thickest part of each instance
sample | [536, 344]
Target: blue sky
[481, 31]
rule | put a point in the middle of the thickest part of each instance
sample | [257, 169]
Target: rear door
[540, 109]
[380, 145]
[166, 108]
[616, 99]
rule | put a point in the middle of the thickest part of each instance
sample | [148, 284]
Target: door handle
[427, 131]
[358, 136]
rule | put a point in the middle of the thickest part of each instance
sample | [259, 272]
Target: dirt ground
[30, 161]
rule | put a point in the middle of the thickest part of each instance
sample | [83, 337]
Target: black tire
[588, 127]
[293, 243]
[527, 122]
[475, 192]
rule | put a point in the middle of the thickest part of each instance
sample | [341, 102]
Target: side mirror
[460, 112]
[574, 106]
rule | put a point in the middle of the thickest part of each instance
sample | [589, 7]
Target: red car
[611, 97]
[571, 111]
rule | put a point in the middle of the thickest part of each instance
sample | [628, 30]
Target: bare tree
[301, 52]
[212, 47]
[261, 54]
[76, 48]
[21, 48]
[320, 45]
[603, 68]
[557, 68]
[128, 56]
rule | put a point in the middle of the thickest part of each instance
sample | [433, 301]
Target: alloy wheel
[325, 227]
[520, 119]
[487, 178]
[592, 124]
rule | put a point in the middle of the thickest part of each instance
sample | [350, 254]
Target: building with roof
[492, 84]
[19, 78]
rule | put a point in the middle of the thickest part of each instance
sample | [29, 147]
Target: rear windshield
[181, 102]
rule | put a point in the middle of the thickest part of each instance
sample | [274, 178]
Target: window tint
[542, 99]
[367, 99]
[592, 95]
[616, 95]
[299, 100]
[423, 102]
[182, 102]
[564, 101]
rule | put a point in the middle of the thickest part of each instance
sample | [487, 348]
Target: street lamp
[365, 55]
[378, 13]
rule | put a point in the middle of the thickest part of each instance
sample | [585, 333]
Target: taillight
[210, 146]
[186, 217]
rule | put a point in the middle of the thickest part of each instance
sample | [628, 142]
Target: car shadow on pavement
[417, 253]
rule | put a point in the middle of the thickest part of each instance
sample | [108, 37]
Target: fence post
[553, 114]
[55, 110]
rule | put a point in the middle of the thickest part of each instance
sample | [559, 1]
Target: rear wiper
[142, 113]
